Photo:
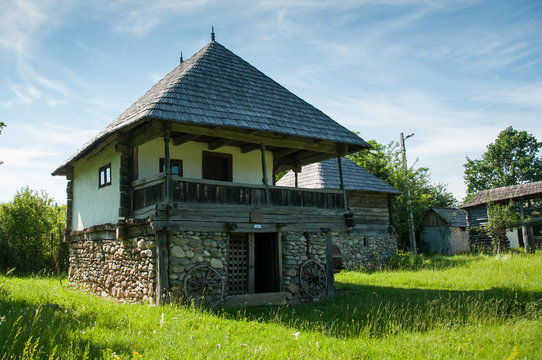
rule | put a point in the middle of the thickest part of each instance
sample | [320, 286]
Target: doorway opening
[266, 274]
[254, 263]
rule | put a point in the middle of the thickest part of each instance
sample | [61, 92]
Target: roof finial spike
[213, 33]
[181, 57]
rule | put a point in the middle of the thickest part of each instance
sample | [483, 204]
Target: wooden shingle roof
[325, 175]
[216, 88]
[453, 217]
[512, 192]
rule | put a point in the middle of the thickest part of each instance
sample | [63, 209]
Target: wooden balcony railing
[148, 193]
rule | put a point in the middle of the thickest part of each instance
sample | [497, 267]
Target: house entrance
[253, 263]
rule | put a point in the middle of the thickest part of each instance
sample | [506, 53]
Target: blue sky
[455, 73]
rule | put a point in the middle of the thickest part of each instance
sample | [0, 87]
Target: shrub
[31, 227]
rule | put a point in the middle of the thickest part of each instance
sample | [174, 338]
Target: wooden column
[69, 204]
[264, 176]
[279, 261]
[524, 229]
[125, 175]
[296, 182]
[162, 268]
[251, 287]
[339, 160]
[168, 168]
[329, 264]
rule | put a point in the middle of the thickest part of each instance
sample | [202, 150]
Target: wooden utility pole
[411, 233]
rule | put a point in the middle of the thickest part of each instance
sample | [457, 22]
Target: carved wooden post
[168, 168]
[264, 176]
[162, 268]
[339, 160]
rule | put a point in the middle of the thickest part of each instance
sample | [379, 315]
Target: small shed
[370, 241]
[445, 231]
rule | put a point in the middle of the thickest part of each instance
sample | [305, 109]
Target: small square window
[104, 175]
[176, 166]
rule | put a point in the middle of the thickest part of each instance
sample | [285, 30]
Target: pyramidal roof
[215, 87]
[325, 175]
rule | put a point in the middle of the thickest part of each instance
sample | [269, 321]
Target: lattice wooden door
[238, 264]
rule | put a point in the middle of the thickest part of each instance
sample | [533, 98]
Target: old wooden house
[175, 197]
[445, 231]
[369, 241]
[529, 198]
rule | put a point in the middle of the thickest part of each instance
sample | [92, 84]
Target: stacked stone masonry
[189, 249]
[362, 250]
[123, 269]
[296, 248]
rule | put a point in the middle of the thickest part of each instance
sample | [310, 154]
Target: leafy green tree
[511, 160]
[385, 162]
[31, 227]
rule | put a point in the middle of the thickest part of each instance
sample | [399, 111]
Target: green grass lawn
[473, 307]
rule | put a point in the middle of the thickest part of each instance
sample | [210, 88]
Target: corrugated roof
[454, 217]
[215, 87]
[505, 193]
[325, 175]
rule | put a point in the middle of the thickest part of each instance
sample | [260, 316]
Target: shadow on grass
[372, 311]
[34, 330]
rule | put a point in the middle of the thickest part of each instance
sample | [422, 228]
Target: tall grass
[445, 307]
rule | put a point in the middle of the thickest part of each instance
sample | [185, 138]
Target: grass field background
[476, 307]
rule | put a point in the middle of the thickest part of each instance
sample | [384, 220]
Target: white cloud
[140, 16]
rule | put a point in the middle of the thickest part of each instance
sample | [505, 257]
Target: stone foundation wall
[188, 249]
[361, 250]
[296, 248]
[124, 269]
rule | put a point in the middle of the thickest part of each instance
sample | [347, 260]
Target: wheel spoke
[203, 285]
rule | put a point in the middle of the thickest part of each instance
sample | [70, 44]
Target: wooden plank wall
[369, 208]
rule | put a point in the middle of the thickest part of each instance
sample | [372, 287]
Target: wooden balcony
[147, 193]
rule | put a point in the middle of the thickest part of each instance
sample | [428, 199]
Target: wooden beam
[260, 137]
[249, 147]
[217, 144]
[183, 138]
[283, 152]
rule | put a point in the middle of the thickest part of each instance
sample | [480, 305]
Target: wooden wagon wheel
[203, 285]
[313, 278]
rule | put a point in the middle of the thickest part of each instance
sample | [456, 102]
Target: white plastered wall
[93, 205]
[459, 240]
[513, 238]
[246, 168]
